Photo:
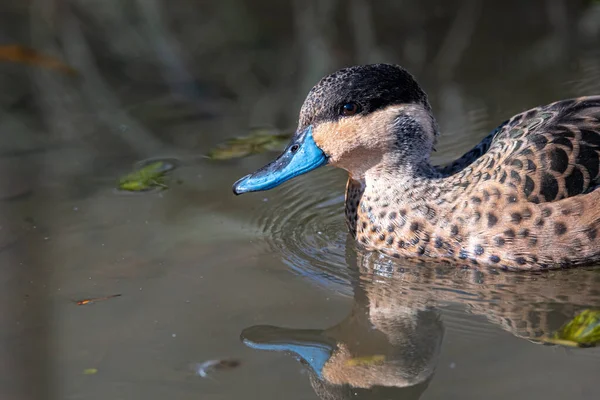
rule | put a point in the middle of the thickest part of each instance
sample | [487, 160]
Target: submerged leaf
[148, 177]
[367, 360]
[581, 331]
[259, 141]
[25, 55]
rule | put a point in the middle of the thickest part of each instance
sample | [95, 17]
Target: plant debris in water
[203, 369]
[366, 360]
[581, 331]
[95, 299]
[258, 141]
[149, 176]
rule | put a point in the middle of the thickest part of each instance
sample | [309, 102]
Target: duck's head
[356, 118]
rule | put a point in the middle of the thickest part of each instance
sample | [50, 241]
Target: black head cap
[371, 86]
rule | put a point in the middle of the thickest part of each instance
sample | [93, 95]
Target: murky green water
[205, 275]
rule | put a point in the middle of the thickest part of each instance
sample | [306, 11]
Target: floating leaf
[148, 177]
[90, 371]
[581, 331]
[367, 360]
[259, 141]
[25, 55]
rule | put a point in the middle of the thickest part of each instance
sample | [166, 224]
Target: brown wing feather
[533, 197]
[545, 154]
[554, 150]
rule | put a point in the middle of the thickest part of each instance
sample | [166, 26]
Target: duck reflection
[378, 351]
[388, 346]
[531, 306]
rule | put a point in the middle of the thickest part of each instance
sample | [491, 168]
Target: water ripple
[305, 224]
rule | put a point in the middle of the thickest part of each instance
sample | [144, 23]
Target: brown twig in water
[95, 299]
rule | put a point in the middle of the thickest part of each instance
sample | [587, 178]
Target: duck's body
[525, 198]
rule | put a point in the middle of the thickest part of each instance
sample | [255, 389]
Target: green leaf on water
[90, 371]
[149, 176]
[581, 331]
[258, 141]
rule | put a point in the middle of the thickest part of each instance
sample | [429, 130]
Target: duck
[525, 198]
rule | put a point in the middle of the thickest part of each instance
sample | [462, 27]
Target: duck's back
[532, 186]
[545, 154]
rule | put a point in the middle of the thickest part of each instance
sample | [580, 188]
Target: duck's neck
[399, 208]
[387, 188]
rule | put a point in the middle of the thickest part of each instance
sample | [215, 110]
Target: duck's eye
[294, 148]
[349, 109]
